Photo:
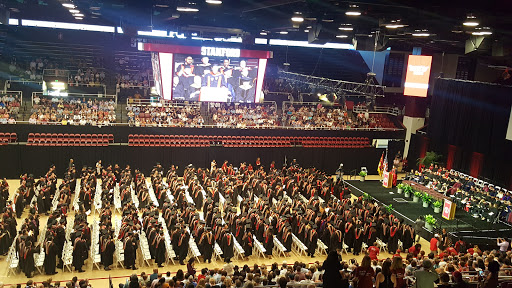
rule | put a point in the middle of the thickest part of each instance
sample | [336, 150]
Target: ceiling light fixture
[79, 15]
[68, 5]
[346, 27]
[79, 18]
[216, 2]
[353, 10]
[421, 33]
[471, 21]
[297, 17]
[74, 11]
[395, 24]
[306, 30]
[283, 32]
[341, 36]
[187, 9]
[263, 33]
[482, 31]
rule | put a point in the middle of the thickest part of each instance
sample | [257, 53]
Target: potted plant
[408, 190]
[430, 222]
[367, 197]
[400, 188]
[426, 199]
[416, 196]
[362, 175]
[437, 206]
[389, 208]
[429, 158]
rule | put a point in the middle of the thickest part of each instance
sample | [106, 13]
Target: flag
[385, 166]
[381, 164]
[111, 285]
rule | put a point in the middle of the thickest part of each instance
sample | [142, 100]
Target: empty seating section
[60, 139]
[6, 138]
[246, 141]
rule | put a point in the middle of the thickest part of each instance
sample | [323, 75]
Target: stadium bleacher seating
[6, 138]
[246, 141]
[60, 139]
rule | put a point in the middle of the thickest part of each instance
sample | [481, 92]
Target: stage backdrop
[474, 117]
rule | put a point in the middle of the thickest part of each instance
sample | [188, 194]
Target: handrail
[228, 127]
[159, 102]
[387, 110]
[77, 95]
[20, 93]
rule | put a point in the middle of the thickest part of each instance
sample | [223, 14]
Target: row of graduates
[334, 222]
[41, 190]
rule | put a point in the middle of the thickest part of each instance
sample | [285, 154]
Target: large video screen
[418, 75]
[215, 79]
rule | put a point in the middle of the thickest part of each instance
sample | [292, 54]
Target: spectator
[426, 277]
[363, 275]
[386, 279]
[398, 271]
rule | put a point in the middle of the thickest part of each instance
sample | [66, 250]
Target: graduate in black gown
[247, 242]
[182, 245]
[227, 247]
[160, 249]
[130, 251]
[108, 248]
[50, 258]
[28, 267]
[79, 252]
[206, 245]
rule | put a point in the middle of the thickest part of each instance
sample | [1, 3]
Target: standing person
[191, 270]
[160, 249]
[363, 275]
[434, 244]
[79, 252]
[491, 280]
[503, 244]
[183, 245]
[227, 247]
[332, 267]
[28, 265]
[206, 244]
[425, 277]
[130, 251]
[418, 225]
[398, 271]
[385, 279]
[108, 248]
[50, 249]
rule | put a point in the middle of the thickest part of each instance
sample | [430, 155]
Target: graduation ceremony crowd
[224, 206]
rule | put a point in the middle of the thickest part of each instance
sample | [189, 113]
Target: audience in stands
[165, 116]
[9, 108]
[89, 76]
[243, 116]
[74, 111]
[318, 116]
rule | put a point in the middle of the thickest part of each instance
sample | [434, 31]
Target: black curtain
[473, 116]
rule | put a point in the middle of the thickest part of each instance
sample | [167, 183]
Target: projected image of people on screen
[215, 79]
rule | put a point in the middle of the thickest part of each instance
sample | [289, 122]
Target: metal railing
[19, 93]
[386, 110]
[76, 95]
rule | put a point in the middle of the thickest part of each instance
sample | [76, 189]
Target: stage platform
[463, 224]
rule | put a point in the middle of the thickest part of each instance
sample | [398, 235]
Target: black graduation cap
[248, 226]
[208, 228]
[78, 234]
[314, 226]
[202, 222]
[310, 223]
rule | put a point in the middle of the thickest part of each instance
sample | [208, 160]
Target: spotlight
[79, 18]
[216, 2]
[395, 24]
[78, 15]
[74, 11]
[68, 5]
[341, 36]
[297, 17]
[471, 21]
[263, 33]
[283, 32]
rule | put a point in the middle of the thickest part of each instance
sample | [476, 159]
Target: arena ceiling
[441, 20]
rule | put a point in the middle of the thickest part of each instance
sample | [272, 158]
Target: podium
[448, 210]
[387, 179]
